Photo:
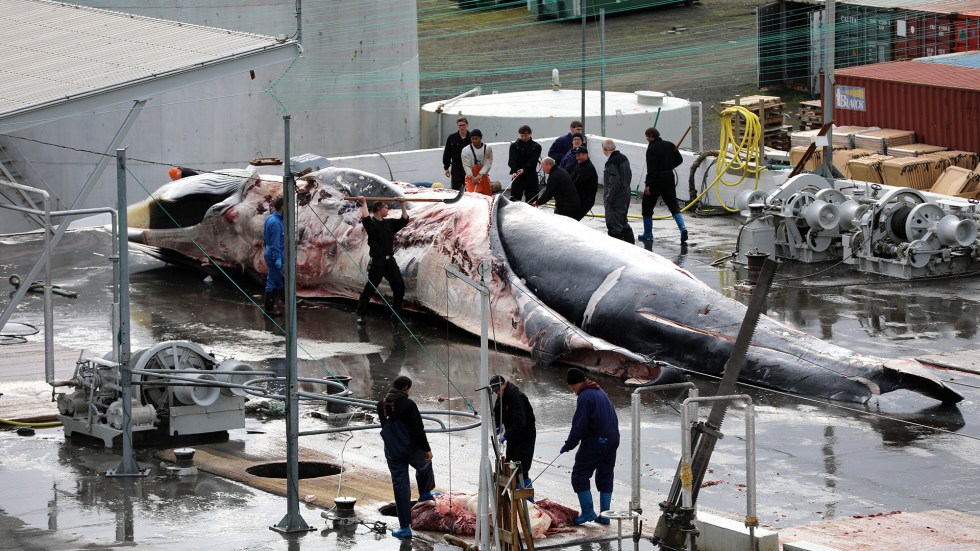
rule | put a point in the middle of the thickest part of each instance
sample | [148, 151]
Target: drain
[390, 511]
[307, 469]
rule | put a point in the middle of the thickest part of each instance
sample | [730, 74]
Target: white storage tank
[549, 112]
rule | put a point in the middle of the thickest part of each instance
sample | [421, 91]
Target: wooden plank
[963, 360]
[932, 530]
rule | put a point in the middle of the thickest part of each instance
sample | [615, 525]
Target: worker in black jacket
[405, 444]
[662, 158]
[586, 181]
[559, 186]
[523, 162]
[513, 418]
[451, 162]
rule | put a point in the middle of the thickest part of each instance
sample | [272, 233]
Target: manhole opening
[307, 469]
[389, 510]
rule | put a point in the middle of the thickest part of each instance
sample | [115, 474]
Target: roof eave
[147, 87]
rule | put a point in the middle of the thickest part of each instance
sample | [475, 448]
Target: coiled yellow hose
[743, 155]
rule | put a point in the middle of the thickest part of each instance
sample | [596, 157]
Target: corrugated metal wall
[940, 114]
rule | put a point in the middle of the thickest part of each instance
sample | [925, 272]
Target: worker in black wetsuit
[381, 241]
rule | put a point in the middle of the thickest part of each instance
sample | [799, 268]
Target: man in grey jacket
[616, 178]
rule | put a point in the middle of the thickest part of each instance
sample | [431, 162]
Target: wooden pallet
[811, 115]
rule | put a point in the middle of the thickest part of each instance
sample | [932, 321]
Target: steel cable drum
[170, 355]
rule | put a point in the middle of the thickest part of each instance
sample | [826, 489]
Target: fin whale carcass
[559, 290]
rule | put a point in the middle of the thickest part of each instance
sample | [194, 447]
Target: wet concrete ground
[816, 460]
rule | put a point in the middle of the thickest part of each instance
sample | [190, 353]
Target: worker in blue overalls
[596, 426]
[274, 245]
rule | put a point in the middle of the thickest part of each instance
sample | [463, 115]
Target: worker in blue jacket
[274, 237]
[403, 433]
[596, 427]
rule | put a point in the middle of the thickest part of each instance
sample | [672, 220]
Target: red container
[966, 31]
[938, 39]
[907, 31]
[959, 20]
[940, 102]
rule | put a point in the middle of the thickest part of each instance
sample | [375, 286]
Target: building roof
[925, 71]
[880, 4]
[62, 59]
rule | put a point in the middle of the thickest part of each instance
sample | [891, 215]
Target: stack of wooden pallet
[811, 114]
[769, 109]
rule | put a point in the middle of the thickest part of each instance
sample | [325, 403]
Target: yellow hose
[46, 425]
[745, 155]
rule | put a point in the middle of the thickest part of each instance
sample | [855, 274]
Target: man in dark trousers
[586, 181]
[513, 418]
[596, 427]
[451, 162]
[523, 163]
[273, 234]
[381, 242]
[616, 180]
[662, 159]
[405, 444]
[559, 186]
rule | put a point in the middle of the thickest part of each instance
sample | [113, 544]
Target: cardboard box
[957, 181]
[962, 159]
[913, 172]
[867, 169]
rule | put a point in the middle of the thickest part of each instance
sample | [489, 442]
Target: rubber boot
[647, 234]
[527, 484]
[403, 533]
[270, 304]
[588, 513]
[605, 502]
[679, 218]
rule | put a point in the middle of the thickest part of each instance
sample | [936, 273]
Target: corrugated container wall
[941, 103]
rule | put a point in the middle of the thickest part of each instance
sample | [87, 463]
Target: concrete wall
[355, 90]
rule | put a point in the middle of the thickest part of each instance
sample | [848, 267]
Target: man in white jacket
[477, 159]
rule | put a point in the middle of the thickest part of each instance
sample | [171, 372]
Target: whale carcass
[558, 289]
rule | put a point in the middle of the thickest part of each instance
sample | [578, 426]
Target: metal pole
[482, 515]
[293, 521]
[484, 518]
[602, 69]
[127, 464]
[299, 23]
[700, 125]
[582, 7]
[751, 515]
[827, 170]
